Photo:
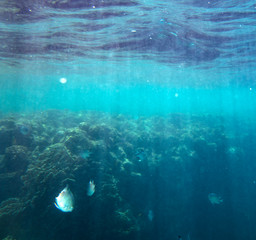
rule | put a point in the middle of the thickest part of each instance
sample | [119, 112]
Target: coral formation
[15, 159]
[129, 159]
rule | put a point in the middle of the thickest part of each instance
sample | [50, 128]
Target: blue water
[123, 52]
[117, 54]
[162, 71]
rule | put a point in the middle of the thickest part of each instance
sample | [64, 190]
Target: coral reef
[9, 238]
[7, 127]
[15, 159]
[131, 160]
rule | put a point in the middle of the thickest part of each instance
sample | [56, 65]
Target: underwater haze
[127, 119]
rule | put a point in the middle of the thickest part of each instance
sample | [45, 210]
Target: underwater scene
[127, 120]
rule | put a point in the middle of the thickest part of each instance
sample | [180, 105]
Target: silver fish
[65, 200]
[91, 188]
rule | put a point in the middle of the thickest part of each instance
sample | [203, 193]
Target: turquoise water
[138, 88]
[153, 101]
[128, 56]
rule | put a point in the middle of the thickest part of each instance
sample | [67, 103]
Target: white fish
[65, 200]
[91, 188]
[214, 198]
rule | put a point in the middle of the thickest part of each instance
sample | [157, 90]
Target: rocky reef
[156, 164]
